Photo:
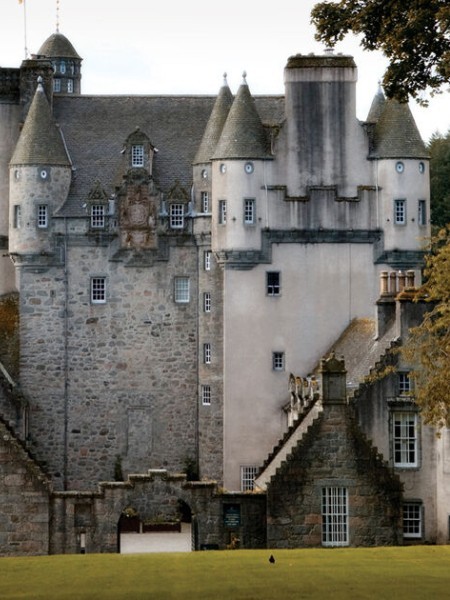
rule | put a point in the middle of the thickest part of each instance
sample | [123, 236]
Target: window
[248, 475]
[334, 516]
[404, 433]
[412, 520]
[98, 290]
[97, 216]
[205, 202]
[249, 211]
[404, 383]
[278, 361]
[206, 395]
[207, 260]
[181, 290]
[207, 302]
[62, 67]
[273, 283]
[137, 155]
[207, 354]
[400, 212]
[42, 216]
[17, 222]
[222, 212]
[176, 213]
[422, 212]
[57, 85]
[70, 86]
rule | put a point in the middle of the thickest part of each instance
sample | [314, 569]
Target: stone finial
[225, 81]
[244, 77]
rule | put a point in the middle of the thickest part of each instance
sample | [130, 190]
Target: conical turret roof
[376, 108]
[215, 125]
[243, 134]
[58, 46]
[396, 134]
[40, 141]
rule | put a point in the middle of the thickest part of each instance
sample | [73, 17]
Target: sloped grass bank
[413, 572]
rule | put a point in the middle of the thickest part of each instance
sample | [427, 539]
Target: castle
[178, 263]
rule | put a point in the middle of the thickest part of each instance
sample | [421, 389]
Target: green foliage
[413, 34]
[428, 346]
[439, 148]
[406, 573]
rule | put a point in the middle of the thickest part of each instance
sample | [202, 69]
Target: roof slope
[58, 46]
[243, 135]
[396, 134]
[215, 125]
[40, 141]
[96, 127]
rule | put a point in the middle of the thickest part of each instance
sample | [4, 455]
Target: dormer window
[176, 216]
[137, 155]
[98, 213]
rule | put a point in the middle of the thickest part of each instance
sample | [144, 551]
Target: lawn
[381, 573]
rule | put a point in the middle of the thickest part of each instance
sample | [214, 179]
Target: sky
[185, 46]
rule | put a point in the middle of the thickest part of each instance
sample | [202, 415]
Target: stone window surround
[98, 289]
[405, 438]
[412, 519]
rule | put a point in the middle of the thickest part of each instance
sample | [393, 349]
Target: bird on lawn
[271, 559]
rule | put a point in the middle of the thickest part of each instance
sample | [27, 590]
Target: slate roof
[243, 135]
[376, 108]
[215, 125]
[40, 141]
[396, 134]
[58, 46]
[96, 127]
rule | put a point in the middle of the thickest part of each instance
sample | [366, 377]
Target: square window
[412, 520]
[334, 516]
[137, 155]
[207, 354]
[206, 395]
[98, 216]
[98, 290]
[207, 260]
[42, 216]
[249, 211]
[17, 217]
[176, 214]
[405, 441]
[248, 475]
[278, 361]
[422, 212]
[181, 290]
[207, 302]
[273, 283]
[205, 202]
[222, 212]
[400, 212]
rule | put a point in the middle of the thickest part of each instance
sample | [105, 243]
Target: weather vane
[57, 16]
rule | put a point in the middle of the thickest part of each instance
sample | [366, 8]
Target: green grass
[382, 573]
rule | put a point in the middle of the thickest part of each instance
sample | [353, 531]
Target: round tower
[40, 175]
[66, 63]
[238, 176]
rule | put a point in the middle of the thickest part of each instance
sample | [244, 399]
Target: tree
[428, 346]
[413, 34]
[439, 148]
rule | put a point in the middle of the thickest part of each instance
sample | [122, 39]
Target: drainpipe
[66, 358]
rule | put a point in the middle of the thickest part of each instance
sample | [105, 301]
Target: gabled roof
[40, 141]
[396, 134]
[215, 125]
[58, 46]
[243, 135]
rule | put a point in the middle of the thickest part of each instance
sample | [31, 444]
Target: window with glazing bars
[42, 216]
[137, 155]
[404, 425]
[412, 520]
[205, 202]
[207, 302]
[176, 216]
[248, 475]
[249, 211]
[98, 216]
[206, 395]
[334, 516]
[98, 290]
